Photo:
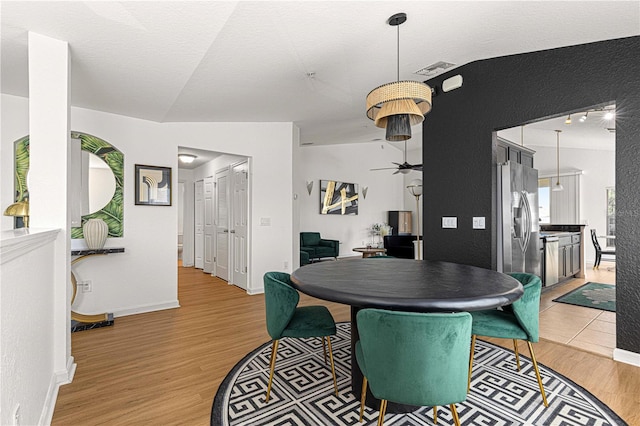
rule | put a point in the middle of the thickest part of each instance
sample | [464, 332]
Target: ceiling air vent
[434, 69]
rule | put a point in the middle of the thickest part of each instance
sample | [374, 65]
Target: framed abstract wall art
[153, 185]
[338, 198]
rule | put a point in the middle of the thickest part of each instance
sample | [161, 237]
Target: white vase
[95, 233]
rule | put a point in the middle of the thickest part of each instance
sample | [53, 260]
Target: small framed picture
[153, 185]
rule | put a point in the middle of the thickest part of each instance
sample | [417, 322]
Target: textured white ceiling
[248, 61]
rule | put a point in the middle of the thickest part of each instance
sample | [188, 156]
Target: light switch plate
[265, 221]
[478, 222]
[449, 222]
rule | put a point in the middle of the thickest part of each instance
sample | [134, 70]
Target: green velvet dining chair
[518, 321]
[286, 319]
[414, 358]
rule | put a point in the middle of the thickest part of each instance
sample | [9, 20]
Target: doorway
[582, 158]
[219, 207]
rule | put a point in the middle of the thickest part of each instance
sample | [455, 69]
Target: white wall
[414, 156]
[269, 147]
[349, 163]
[599, 173]
[144, 278]
[27, 325]
[209, 169]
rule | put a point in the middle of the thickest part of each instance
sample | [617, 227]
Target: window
[544, 200]
[559, 206]
[611, 216]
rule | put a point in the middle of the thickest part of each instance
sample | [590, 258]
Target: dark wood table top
[407, 284]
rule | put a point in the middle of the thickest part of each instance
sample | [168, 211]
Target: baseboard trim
[627, 357]
[57, 379]
[254, 291]
[146, 308]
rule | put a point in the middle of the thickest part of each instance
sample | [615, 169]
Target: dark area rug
[302, 392]
[592, 295]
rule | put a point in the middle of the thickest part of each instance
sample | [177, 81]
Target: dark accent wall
[459, 150]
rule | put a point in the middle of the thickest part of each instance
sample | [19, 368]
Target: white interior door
[199, 225]
[222, 224]
[239, 230]
[208, 225]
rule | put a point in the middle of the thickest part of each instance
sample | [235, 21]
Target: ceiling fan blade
[417, 167]
[385, 168]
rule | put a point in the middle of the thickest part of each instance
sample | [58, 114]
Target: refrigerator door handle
[521, 224]
[528, 221]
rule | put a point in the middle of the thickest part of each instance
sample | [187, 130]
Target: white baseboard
[58, 379]
[146, 308]
[627, 357]
[255, 291]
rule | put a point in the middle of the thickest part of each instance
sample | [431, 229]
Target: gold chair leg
[383, 409]
[363, 396]
[454, 413]
[272, 365]
[435, 415]
[324, 350]
[473, 348]
[333, 370]
[535, 366]
[515, 350]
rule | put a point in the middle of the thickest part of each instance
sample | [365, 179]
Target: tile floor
[589, 329]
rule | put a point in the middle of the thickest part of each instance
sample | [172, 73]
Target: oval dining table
[403, 285]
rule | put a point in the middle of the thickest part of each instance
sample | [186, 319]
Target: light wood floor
[163, 368]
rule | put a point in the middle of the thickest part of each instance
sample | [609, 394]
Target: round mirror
[98, 183]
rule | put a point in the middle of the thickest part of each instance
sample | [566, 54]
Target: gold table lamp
[19, 209]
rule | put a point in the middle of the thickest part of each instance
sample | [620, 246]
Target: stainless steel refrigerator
[518, 230]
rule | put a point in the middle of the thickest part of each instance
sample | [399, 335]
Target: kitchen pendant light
[568, 120]
[399, 105]
[557, 186]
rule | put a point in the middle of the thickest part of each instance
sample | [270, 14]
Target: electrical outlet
[85, 286]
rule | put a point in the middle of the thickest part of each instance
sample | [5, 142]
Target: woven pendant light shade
[409, 92]
[404, 107]
[399, 105]
[398, 127]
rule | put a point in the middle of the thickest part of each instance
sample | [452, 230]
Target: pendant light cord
[398, 54]
[557, 157]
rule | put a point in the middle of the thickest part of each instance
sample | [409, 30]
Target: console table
[80, 321]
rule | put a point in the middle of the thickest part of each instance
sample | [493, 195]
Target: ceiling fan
[405, 167]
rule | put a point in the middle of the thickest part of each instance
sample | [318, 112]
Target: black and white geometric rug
[302, 392]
